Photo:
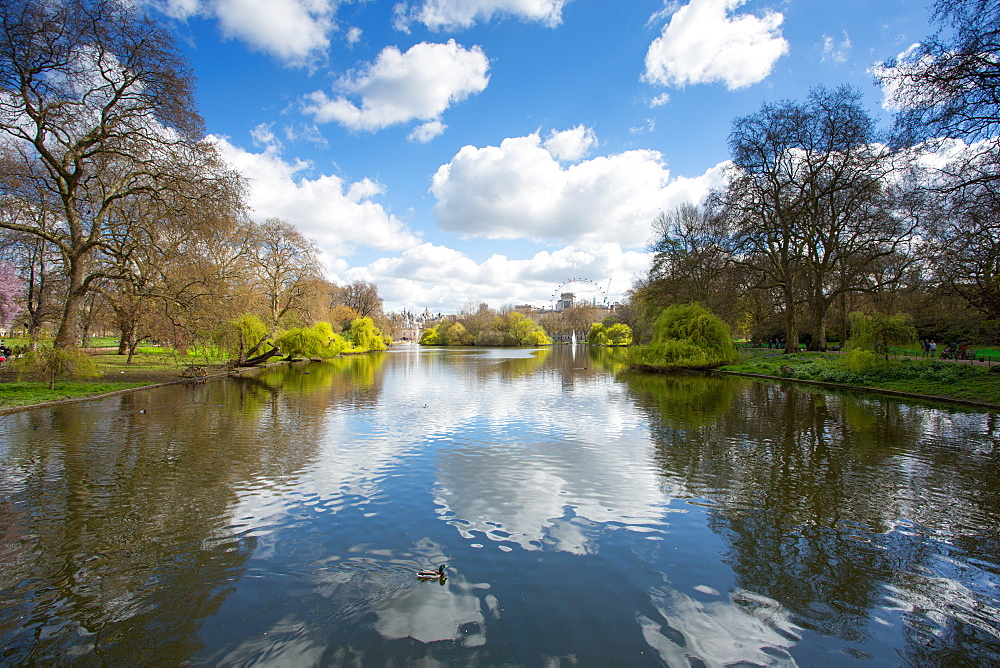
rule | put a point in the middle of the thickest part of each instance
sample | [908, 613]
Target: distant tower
[567, 300]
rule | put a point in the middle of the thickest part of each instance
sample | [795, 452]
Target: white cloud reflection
[748, 629]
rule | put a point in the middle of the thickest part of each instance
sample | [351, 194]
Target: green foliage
[878, 332]
[510, 329]
[430, 337]
[603, 334]
[240, 334]
[859, 360]
[52, 362]
[597, 336]
[365, 336]
[319, 340]
[518, 330]
[686, 336]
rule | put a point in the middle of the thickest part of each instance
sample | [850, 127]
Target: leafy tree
[365, 335]
[517, 329]
[505, 329]
[341, 316]
[318, 340]
[457, 335]
[597, 336]
[430, 337]
[52, 362]
[878, 332]
[687, 336]
[242, 335]
[618, 334]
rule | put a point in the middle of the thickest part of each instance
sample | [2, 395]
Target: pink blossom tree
[11, 287]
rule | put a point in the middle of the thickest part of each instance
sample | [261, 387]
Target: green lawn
[955, 380]
[28, 393]
[150, 365]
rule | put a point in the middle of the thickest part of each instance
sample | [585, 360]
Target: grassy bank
[917, 376]
[150, 366]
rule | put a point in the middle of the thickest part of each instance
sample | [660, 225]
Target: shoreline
[867, 389]
[779, 379]
[239, 371]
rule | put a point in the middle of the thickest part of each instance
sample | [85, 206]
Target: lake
[584, 516]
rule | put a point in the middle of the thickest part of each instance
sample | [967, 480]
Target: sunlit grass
[955, 380]
[150, 365]
[27, 393]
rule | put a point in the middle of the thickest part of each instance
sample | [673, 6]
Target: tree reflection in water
[585, 518]
[840, 506]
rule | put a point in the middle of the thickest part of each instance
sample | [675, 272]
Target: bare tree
[807, 205]
[362, 297]
[949, 86]
[96, 107]
[287, 265]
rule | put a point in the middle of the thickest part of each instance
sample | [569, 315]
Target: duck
[428, 574]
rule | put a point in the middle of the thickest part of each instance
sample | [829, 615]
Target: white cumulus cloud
[339, 215]
[571, 145]
[294, 31]
[705, 42]
[458, 14]
[427, 131]
[520, 190]
[418, 84]
[443, 279]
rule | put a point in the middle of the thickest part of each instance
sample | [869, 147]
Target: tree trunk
[66, 335]
[253, 361]
[68, 325]
[819, 324]
[791, 323]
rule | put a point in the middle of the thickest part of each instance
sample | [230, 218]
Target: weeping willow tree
[242, 337]
[686, 336]
[879, 331]
[52, 362]
[366, 336]
[317, 340]
[618, 334]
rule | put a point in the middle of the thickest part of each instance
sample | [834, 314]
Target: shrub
[52, 362]
[365, 335]
[859, 360]
[878, 332]
[686, 336]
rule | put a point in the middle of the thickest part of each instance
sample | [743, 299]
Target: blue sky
[455, 152]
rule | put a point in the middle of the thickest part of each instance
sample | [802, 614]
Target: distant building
[567, 300]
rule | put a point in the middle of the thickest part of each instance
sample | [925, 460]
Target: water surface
[585, 518]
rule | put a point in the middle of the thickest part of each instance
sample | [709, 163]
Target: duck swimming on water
[428, 574]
